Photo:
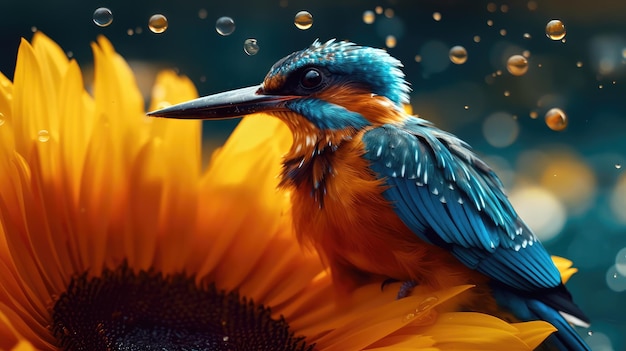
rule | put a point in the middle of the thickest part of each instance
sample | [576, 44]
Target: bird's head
[327, 87]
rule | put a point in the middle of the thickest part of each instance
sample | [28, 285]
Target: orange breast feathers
[358, 233]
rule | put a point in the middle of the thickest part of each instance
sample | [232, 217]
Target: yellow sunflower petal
[565, 267]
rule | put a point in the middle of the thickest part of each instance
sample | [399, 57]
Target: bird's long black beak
[229, 104]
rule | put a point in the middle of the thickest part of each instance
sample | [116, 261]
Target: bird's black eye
[311, 78]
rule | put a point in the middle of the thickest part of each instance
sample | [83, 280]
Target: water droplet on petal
[408, 317]
[43, 135]
[102, 17]
[303, 20]
[251, 47]
[458, 55]
[437, 16]
[225, 26]
[369, 17]
[157, 23]
[556, 119]
[428, 303]
[555, 30]
[517, 65]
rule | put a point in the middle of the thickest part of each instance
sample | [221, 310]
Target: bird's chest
[348, 220]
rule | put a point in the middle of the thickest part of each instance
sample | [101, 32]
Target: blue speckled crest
[375, 67]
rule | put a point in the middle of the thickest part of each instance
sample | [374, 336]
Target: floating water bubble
[490, 23]
[389, 13]
[157, 23]
[556, 119]
[130, 31]
[492, 7]
[466, 107]
[527, 36]
[555, 30]
[225, 26]
[507, 93]
[33, 29]
[526, 53]
[476, 38]
[458, 55]
[437, 16]
[503, 32]
[390, 41]
[504, 8]
[500, 129]
[102, 17]
[614, 280]
[618, 166]
[250, 46]
[43, 135]
[532, 5]
[203, 13]
[369, 17]
[517, 65]
[303, 20]
[533, 114]
[379, 10]
[418, 58]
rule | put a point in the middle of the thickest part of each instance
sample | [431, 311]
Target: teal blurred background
[569, 185]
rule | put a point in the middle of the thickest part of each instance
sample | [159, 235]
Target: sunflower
[113, 238]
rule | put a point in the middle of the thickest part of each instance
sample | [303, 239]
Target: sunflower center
[125, 310]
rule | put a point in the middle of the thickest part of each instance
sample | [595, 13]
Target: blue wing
[450, 198]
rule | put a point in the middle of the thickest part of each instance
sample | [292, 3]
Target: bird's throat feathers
[320, 148]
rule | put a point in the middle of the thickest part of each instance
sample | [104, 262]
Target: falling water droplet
[225, 26]
[157, 23]
[390, 41]
[517, 65]
[555, 30]
[458, 55]
[556, 119]
[43, 135]
[102, 17]
[303, 20]
[250, 46]
[369, 17]
[437, 16]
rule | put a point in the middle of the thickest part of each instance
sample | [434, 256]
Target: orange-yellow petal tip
[565, 267]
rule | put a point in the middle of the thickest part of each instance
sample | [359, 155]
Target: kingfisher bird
[382, 194]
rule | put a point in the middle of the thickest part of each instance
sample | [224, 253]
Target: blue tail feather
[528, 308]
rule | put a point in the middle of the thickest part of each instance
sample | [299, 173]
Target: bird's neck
[311, 161]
